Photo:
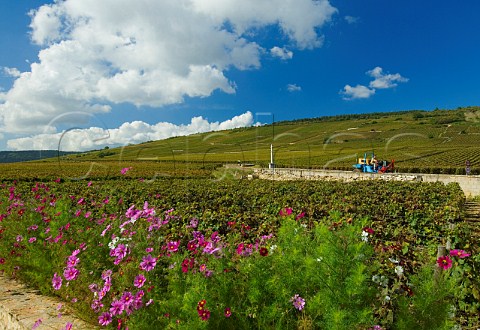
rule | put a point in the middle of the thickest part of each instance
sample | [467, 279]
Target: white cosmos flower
[364, 236]
[399, 270]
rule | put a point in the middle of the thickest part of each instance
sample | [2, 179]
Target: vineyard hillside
[438, 141]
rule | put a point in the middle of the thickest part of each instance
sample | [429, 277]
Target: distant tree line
[28, 155]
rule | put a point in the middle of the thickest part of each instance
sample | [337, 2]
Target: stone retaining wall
[469, 184]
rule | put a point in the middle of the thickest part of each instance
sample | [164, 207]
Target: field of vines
[192, 252]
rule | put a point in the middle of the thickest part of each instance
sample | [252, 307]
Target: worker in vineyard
[374, 162]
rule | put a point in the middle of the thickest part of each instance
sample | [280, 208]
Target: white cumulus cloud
[128, 133]
[380, 81]
[281, 53]
[383, 81]
[11, 72]
[357, 92]
[96, 54]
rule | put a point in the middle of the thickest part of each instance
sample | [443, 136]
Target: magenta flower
[240, 248]
[148, 263]
[192, 245]
[137, 302]
[228, 312]
[56, 281]
[125, 170]
[105, 319]
[300, 215]
[96, 306]
[33, 227]
[172, 246]
[139, 281]
[68, 326]
[444, 262]
[120, 251]
[32, 239]
[117, 307]
[106, 274]
[204, 315]
[126, 299]
[369, 230]
[285, 212]
[298, 302]
[72, 261]
[37, 324]
[459, 253]
[71, 274]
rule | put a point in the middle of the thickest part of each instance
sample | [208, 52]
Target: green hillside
[438, 141]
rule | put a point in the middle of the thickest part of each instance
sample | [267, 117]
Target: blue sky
[85, 73]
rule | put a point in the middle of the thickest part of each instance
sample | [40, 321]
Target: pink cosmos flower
[300, 215]
[117, 307]
[148, 263]
[459, 253]
[37, 324]
[172, 246]
[127, 298]
[105, 319]
[105, 230]
[32, 239]
[120, 251]
[96, 306]
[444, 262]
[139, 281]
[125, 170]
[369, 230]
[72, 261]
[298, 302]
[106, 274]
[56, 281]
[33, 227]
[228, 312]
[240, 248]
[68, 326]
[285, 212]
[71, 274]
